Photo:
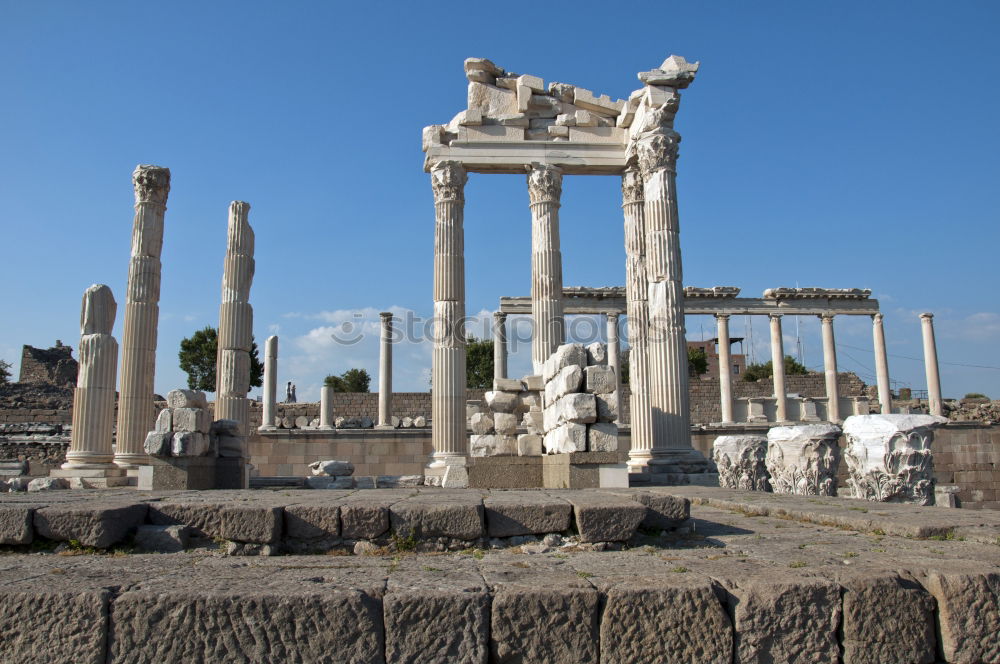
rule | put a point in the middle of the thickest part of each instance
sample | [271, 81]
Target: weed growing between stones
[797, 563]
[859, 509]
[408, 543]
[584, 575]
[679, 569]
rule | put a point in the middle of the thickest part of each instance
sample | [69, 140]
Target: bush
[975, 395]
[756, 372]
[5, 372]
[198, 356]
[352, 380]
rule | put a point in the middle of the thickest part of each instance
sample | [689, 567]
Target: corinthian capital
[544, 183]
[151, 184]
[448, 180]
[632, 191]
[658, 151]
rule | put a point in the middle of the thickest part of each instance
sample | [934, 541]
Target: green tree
[970, 395]
[479, 363]
[198, 356]
[352, 380]
[5, 372]
[697, 361]
[756, 372]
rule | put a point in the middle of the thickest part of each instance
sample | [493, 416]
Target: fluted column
[326, 408]
[637, 314]
[385, 373]
[448, 378]
[544, 191]
[236, 323]
[142, 311]
[881, 366]
[668, 363]
[778, 369]
[725, 368]
[499, 344]
[94, 397]
[615, 361]
[830, 369]
[931, 365]
[270, 383]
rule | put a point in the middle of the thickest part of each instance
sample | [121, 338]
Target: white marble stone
[601, 380]
[332, 468]
[481, 423]
[568, 380]
[576, 407]
[529, 444]
[802, 460]
[505, 423]
[569, 437]
[597, 354]
[740, 460]
[492, 445]
[385, 373]
[602, 437]
[501, 402]
[889, 457]
[564, 356]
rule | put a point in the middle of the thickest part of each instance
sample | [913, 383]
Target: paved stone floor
[751, 578]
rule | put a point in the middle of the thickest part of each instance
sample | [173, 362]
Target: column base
[450, 472]
[131, 460]
[384, 427]
[105, 477]
[267, 427]
[326, 427]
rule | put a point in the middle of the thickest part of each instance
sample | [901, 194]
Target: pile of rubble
[510, 407]
[185, 429]
[580, 400]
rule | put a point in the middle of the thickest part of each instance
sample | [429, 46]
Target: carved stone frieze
[889, 457]
[802, 460]
[740, 460]
[448, 180]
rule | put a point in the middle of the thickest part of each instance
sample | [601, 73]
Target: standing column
[881, 366]
[94, 397]
[830, 369]
[931, 365]
[668, 363]
[270, 383]
[778, 369]
[637, 314]
[142, 311]
[326, 408]
[544, 190]
[232, 381]
[725, 368]
[385, 374]
[499, 344]
[615, 362]
[448, 378]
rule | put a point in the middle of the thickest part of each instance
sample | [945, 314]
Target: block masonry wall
[54, 366]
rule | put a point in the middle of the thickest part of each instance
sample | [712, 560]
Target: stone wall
[54, 366]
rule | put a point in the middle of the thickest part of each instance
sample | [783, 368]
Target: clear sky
[836, 144]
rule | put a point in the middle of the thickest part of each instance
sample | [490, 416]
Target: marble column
[499, 344]
[270, 384]
[637, 314]
[615, 362]
[778, 369]
[94, 397]
[667, 360]
[931, 365]
[448, 378]
[830, 369]
[881, 366]
[544, 191]
[385, 373]
[142, 311]
[326, 408]
[232, 378]
[725, 368]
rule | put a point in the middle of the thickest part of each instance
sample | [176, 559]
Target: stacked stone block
[508, 421]
[580, 401]
[185, 428]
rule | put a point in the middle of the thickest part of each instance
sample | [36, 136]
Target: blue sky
[838, 144]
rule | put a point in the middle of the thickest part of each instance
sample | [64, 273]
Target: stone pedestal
[889, 457]
[178, 473]
[270, 384]
[740, 460]
[236, 321]
[520, 472]
[385, 373]
[544, 190]
[142, 311]
[448, 359]
[755, 410]
[584, 470]
[802, 460]
[807, 410]
[232, 473]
